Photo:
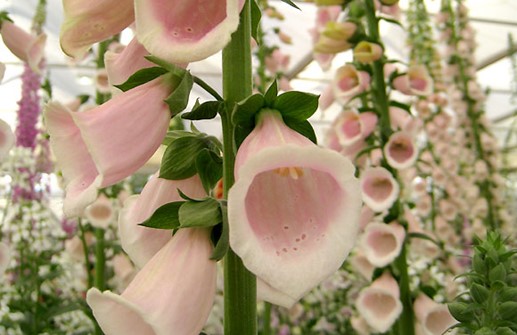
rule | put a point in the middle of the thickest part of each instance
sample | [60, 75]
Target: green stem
[201, 83]
[240, 301]
[100, 98]
[100, 260]
[267, 319]
[405, 324]
[87, 262]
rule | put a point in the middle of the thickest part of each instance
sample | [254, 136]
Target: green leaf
[244, 112]
[424, 237]
[271, 94]
[178, 100]
[302, 127]
[175, 134]
[478, 264]
[206, 111]
[508, 310]
[479, 293]
[210, 168]
[390, 20]
[296, 105]
[290, 3]
[172, 68]
[141, 77]
[165, 217]
[400, 105]
[498, 273]
[205, 213]
[459, 312]
[179, 159]
[223, 243]
[508, 294]
[256, 16]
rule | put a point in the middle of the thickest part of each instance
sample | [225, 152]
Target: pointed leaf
[165, 217]
[205, 111]
[479, 293]
[206, 213]
[508, 310]
[179, 159]
[223, 244]
[302, 127]
[175, 134]
[498, 273]
[508, 294]
[209, 168]
[271, 94]
[244, 112]
[290, 3]
[296, 105]
[256, 15]
[459, 312]
[178, 100]
[141, 77]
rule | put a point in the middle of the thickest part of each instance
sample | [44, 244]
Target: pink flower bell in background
[89, 22]
[5, 258]
[23, 45]
[7, 139]
[182, 31]
[381, 243]
[88, 144]
[293, 211]
[141, 243]
[351, 127]
[101, 212]
[378, 188]
[172, 294]
[416, 81]
[348, 82]
[434, 318]
[400, 151]
[379, 303]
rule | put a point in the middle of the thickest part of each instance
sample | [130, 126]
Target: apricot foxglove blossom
[293, 211]
[172, 294]
[89, 22]
[379, 189]
[23, 45]
[352, 127]
[101, 212]
[433, 317]
[182, 31]
[381, 243]
[141, 243]
[88, 144]
[401, 151]
[348, 82]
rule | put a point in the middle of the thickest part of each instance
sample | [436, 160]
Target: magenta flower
[293, 211]
[101, 146]
[186, 31]
[172, 294]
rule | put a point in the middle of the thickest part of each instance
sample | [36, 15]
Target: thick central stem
[240, 297]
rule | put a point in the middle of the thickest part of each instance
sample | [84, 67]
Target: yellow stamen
[294, 172]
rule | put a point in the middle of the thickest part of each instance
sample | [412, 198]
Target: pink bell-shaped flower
[7, 139]
[180, 31]
[381, 243]
[348, 82]
[101, 146]
[378, 188]
[141, 243]
[293, 211]
[434, 318]
[89, 22]
[172, 294]
[417, 81]
[401, 151]
[23, 45]
[352, 127]
[101, 212]
[379, 303]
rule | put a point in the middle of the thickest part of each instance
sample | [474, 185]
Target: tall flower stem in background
[405, 324]
[239, 284]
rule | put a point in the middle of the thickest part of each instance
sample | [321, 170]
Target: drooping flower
[378, 188]
[186, 31]
[417, 81]
[7, 139]
[379, 303]
[400, 150]
[348, 82]
[293, 211]
[88, 144]
[141, 243]
[101, 212]
[172, 294]
[352, 127]
[23, 45]
[89, 22]
[381, 243]
[434, 318]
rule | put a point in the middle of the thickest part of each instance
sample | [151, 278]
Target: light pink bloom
[141, 243]
[352, 127]
[101, 212]
[381, 243]
[361, 264]
[434, 318]
[348, 82]
[23, 45]
[186, 31]
[360, 325]
[324, 60]
[366, 217]
[399, 118]
[277, 61]
[123, 269]
[417, 81]
[401, 151]
[7, 139]
[379, 303]
[293, 205]
[101, 81]
[378, 188]
[326, 98]
[88, 145]
[5, 258]
[74, 248]
[89, 22]
[172, 294]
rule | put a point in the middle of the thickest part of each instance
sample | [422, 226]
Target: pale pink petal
[326, 98]
[293, 211]
[7, 139]
[368, 123]
[348, 82]
[362, 265]
[172, 294]
[186, 31]
[324, 60]
[23, 45]
[379, 303]
[141, 243]
[101, 212]
[89, 22]
[399, 118]
[434, 318]
[401, 151]
[381, 243]
[348, 128]
[379, 189]
[366, 217]
[5, 258]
